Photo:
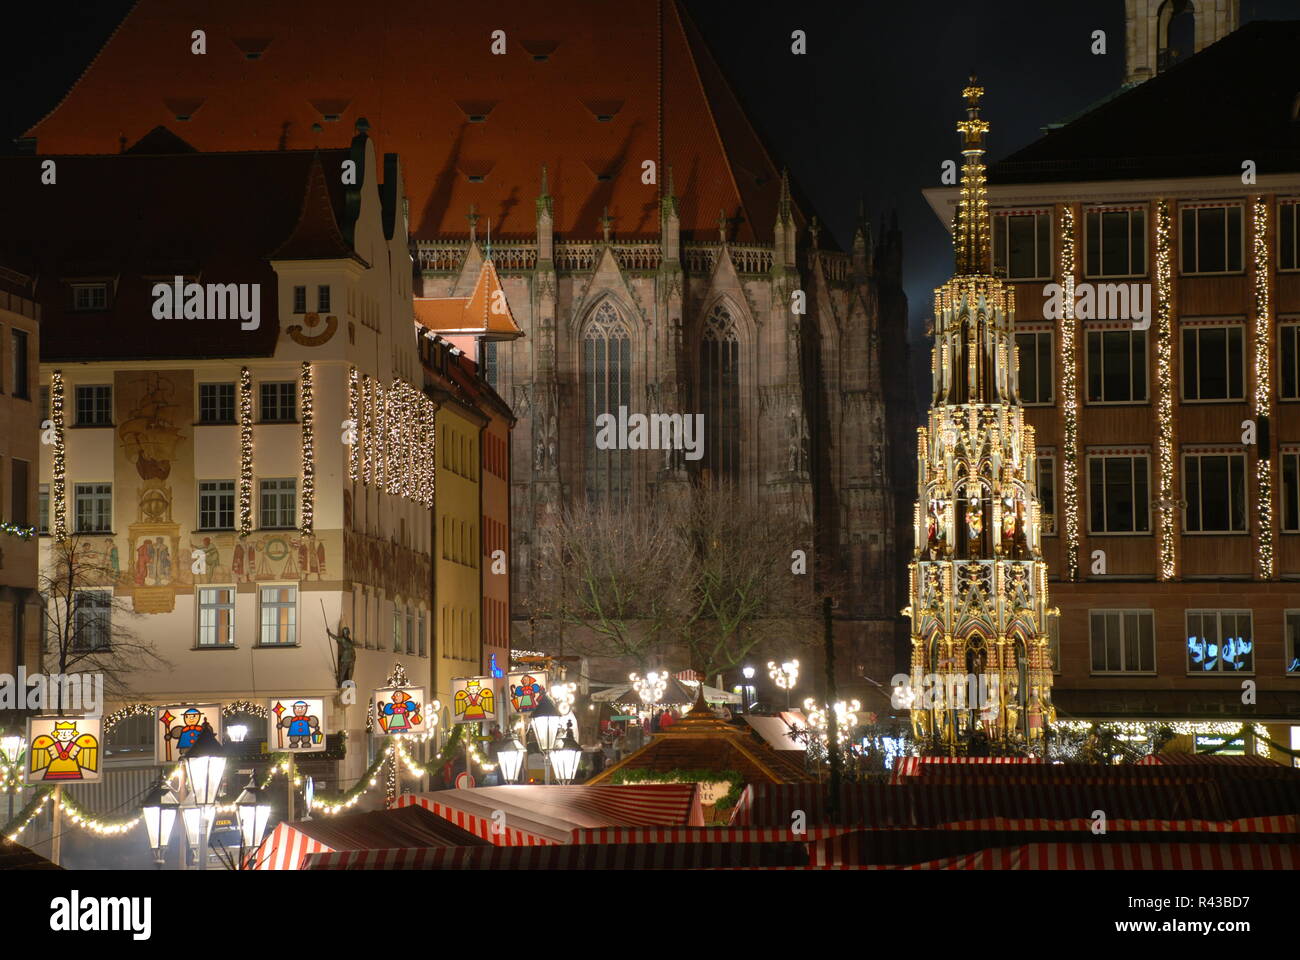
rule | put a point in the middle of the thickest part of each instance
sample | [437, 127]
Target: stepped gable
[582, 87]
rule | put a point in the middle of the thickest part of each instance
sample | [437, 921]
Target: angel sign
[401, 710]
[473, 700]
[63, 749]
[296, 725]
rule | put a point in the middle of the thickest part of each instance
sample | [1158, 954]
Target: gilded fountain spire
[981, 671]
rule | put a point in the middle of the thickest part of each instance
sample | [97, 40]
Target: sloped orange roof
[590, 88]
[472, 314]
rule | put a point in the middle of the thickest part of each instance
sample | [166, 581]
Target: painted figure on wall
[112, 561]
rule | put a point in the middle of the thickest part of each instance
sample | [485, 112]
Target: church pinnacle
[971, 233]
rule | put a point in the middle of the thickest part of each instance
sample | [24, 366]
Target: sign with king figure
[473, 699]
[64, 749]
[295, 724]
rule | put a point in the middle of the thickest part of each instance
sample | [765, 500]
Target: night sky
[868, 111]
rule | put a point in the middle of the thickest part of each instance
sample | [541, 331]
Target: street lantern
[510, 756]
[159, 814]
[237, 732]
[566, 755]
[785, 676]
[204, 763]
[12, 747]
[748, 671]
[547, 725]
[252, 809]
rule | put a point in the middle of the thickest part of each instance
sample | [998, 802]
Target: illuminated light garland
[1186, 728]
[846, 719]
[1167, 491]
[244, 706]
[1263, 381]
[308, 453]
[17, 530]
[1069, 399]
[60, 493]
[122, 713]
[365, 405]
[354, 414]
[245, 451]
[85, 821]
[349, 798]
[381, 458]
[31, 811]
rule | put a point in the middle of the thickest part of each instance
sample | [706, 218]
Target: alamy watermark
[1102, 301]
[77, 692]
[655, 431]
[942, 691]
[179, 300]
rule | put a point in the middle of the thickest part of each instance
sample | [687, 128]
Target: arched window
[607, 385]
[720, 395]
[1177, 33]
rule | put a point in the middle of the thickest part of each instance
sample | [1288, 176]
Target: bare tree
[745, 587]
[86, 623]
[610, 574]
[707, 577]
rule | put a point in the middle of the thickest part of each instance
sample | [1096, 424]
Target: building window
[1292, 651]
[43, 499]
[279, 401]
[607, 385]
[490, 373]
[216, 616]
[1288, 236]
[92, 622]
[1117, 366]
[1220, 641]
[1022, 245]
[420, 626]
[1289, 372]
[397, 629]
[216, 504]
[216, 403]
[90, 296]
[1213, 366]
[1123, 641]
[1211, 239]
[19, 471]
[1116, 243]
[720, 395]
[1046, 492]
[410, 632]
[19, 362]
[278, 498]
[94, 406]
[279, 607]
[1035, 371]
[1291, 491]
[299, 299]
[94, 507]
[323, 298]
[1118, 495]
[1215, 490]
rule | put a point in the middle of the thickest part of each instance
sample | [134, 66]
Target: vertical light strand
[1168, 491]
[381, 436]
[308, 453]
[354, 414]
[1069, 400]
[1263, 381]
[367, 430]
[245, 451]
[60, 505]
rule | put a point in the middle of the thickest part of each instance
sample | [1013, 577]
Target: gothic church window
[720, 394]
[607, 385]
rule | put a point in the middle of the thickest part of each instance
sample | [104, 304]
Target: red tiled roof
[419, 77]
[472, 314]
[138, 218]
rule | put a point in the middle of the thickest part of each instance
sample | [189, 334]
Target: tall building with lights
[1151, 249]
[981, 675]
[247, 466]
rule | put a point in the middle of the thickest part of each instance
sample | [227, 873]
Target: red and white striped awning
[290, 842]
[1207, 760]
[614, 856]
[537, 814]
[905, 767]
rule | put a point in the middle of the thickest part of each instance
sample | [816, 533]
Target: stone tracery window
[607, 385]
[720, 394]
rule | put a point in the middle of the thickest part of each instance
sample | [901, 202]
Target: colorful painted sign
[526, 689]
[64, 749]
[295, 725]
[473, 700]
[179, 725]
[401, 710]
